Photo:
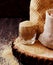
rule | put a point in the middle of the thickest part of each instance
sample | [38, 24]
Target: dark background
[14, 8]
[12, 12]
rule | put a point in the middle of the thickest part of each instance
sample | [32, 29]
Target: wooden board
[32, 54]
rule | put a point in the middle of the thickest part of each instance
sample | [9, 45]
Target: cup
[46, 38]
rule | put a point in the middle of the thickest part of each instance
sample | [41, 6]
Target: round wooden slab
[35, 54]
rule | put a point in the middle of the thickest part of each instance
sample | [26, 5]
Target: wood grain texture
[35, 54]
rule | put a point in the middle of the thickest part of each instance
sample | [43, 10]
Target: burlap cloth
[6, 56]
[37, 12]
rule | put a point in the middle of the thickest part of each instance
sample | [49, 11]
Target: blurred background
[12, 12]
[14, 8]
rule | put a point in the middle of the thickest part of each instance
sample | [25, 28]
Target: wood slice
[35, 54]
